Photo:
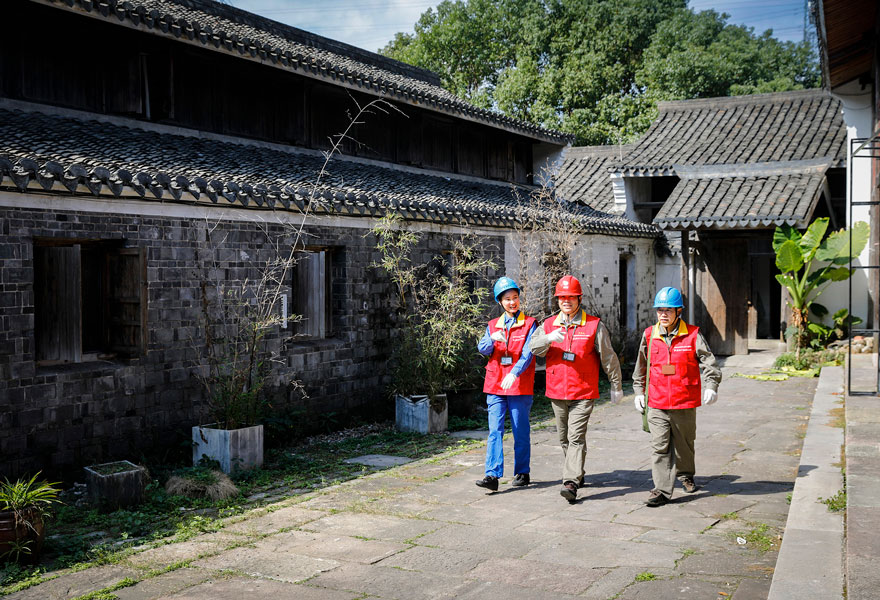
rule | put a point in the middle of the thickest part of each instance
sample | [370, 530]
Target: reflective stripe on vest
[578, 380]
[683, 388]
[524, 385]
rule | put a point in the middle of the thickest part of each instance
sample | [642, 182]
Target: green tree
[596, 68]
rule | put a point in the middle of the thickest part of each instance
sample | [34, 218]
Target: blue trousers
[519, 407]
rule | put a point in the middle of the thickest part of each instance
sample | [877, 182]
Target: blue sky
[370, 24]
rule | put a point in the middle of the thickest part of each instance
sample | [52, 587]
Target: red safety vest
[681, 389]
[577, 380]
[524, 385]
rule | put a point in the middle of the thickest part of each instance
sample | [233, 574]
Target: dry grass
[217, 486]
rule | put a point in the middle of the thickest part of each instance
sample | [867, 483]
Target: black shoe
[582, 482]
[569, 491]
[689, 486]
[520, 479]
[656, 499]
[488, 482]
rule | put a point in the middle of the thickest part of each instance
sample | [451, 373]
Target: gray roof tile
[64, 154]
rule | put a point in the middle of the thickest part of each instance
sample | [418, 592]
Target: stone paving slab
[605, 553]
[489, 541]
[267, 521]
[390, 583]
[242, 588]
[164, 585]
[672, 589]
[71, 585]
[202, 545]
[538, 575]
[434, 560]
[378, 460]
[380, 527]
[269, 560]
[581, 527]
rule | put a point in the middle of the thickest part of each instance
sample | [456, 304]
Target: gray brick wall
[53, 418]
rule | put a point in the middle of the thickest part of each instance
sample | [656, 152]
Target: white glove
[507, 382]
[616, 396]
[709, 397]
[639, 402]
[498, 336]
[557, 335]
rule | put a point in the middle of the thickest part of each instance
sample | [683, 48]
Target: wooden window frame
[63, 292]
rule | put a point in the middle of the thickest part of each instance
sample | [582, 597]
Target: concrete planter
[419, 414]
[235, 449]
[116, 485]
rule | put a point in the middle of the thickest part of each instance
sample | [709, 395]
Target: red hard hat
[568, 286]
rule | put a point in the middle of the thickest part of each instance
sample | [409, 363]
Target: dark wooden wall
[55, 57]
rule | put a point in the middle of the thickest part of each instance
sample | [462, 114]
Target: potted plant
[115, 485]
[24, 505]
[235, 362]
[439, 317]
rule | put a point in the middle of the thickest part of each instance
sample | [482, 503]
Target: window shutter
[126, 284]
[57, 304]
[311, 294]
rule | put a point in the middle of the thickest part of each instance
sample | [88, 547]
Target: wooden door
[722, 294]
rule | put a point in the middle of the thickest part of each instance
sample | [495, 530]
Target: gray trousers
[672, 441]
[572, 418]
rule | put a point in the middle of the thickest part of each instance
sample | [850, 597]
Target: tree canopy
[596, 68]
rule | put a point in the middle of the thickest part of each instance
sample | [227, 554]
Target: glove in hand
[498, 336]
[507, 382]
[616, 396]
[639, 402]
[557, 335]
[709, 397]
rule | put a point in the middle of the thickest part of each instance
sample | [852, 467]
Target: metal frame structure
[861, 148]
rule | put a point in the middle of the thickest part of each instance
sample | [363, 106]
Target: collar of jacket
[682, 330]
[520, 319]
[581, 319]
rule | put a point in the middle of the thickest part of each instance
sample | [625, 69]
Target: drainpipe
[692, 254]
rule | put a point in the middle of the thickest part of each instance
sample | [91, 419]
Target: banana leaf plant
[800, 258]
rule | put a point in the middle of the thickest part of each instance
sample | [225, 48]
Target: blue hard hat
[502, 285]
[668, 297]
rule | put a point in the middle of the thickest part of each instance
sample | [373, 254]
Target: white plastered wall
[856, 103]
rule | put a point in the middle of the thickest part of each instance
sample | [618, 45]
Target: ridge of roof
[223, 28]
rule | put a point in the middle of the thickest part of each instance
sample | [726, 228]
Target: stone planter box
[235, 449]
[116, 485]
[416, 413]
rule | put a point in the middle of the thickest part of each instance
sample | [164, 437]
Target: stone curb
[810, 563]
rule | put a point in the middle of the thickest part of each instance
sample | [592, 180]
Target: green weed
[646, 576]
[835, 503]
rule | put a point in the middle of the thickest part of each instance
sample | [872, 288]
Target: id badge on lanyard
[506, 360]
[568, 355]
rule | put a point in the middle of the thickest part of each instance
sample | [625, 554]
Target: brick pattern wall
[55, 418]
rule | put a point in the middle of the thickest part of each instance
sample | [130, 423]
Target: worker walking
[673, 356]
[575, 344]
[509, 385]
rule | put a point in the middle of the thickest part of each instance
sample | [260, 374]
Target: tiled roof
[761, 128]
[584, 176]
[66, 155]
[228, 29]
[760, 195]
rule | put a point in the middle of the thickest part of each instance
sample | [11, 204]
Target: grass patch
[761, 537]
[838, 417]
[835, 503]
[646, 576]
[730, 516]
